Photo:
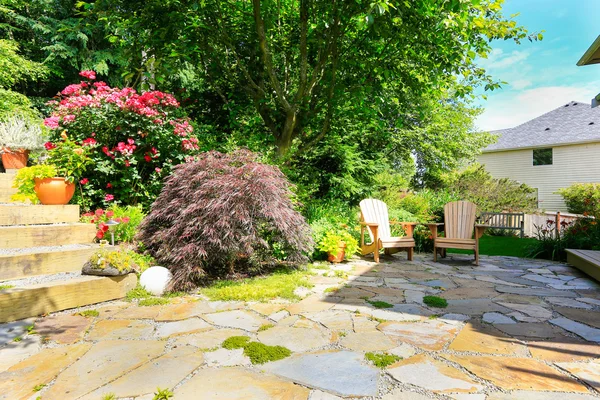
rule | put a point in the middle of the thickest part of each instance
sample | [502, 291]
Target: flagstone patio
[513, 329]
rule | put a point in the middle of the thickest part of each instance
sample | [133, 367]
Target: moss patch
[88, 313]
[235, 342]
[280, 284]
[380, 304]
[137, 292]
[265, 327]
[259, 353]
[382, 360]
[153, 301]
[434, 301]
[4, 287]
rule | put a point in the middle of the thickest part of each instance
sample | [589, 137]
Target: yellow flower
[64, 135]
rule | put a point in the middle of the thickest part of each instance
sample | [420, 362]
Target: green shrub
[582, 198]
[435, 301]
[382, 360]
[24, 181]
[477, 185]
[330, 243]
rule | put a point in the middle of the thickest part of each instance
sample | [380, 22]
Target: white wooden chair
[459, 221]
[374, 217]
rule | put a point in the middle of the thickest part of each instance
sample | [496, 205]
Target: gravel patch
[42, 249]
[35, 280]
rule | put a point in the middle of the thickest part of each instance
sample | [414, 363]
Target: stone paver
[40, 369]
[112, 329]
[209, 339]
[429, 335]
[428, 373]
[63, 328]
[525, 327]
[563, 348]
[236, 319]
[591, 334]
[587, 372]
[367, 341]
[531, 395]
[165, 372]
[295, 339]
[238, 383]
[183, 327]
[481, 338]
[338, 372]
[517, 373]
[591, 318]
[226, 358]
[14, 352]
[104, 362]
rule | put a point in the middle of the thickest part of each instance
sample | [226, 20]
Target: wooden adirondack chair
[459, 221]
[374, 217]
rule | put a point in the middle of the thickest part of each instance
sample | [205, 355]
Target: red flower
[127, 163]
[99, 234]
[125, 220]
[110, 213]
[84, 181]
[109, 197]
[91, 75]
[108, 185]
[157, 170]
[49, 145]
[99, 212]
[89, 142]
[103, 227]
[147, 158]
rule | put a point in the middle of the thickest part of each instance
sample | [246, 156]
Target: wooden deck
[587, 261]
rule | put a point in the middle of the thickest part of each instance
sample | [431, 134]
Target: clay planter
[54, 191]
[14, 159]
[339, 257]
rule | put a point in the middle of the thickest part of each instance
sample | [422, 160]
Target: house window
[542, 156]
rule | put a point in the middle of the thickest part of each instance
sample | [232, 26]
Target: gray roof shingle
[575, 122]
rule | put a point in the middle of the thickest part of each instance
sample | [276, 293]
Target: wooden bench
[513, 221]
[587, 261]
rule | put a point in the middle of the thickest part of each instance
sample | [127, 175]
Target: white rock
[155, 280]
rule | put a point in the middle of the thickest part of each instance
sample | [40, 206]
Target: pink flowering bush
[135, 139]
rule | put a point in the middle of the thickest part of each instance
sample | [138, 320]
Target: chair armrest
[403, 223]
[373, 224]
[409, 228]
[479, 230]
[433, 227]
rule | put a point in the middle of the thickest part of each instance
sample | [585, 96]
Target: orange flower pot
[14, 159]
[339, 257]
[54, 191]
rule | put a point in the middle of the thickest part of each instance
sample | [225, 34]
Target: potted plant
[17, 138]
[70, 160]
[338, 244]
[24, 182]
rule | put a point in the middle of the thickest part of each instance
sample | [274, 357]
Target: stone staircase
[42, 250]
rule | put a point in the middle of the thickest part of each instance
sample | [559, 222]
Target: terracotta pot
[14, 159]
[54, 191]
[339, 257]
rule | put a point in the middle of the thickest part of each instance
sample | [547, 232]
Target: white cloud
[510, 109]
[520, 84]
[498, 59]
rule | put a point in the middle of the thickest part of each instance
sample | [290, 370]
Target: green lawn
[501, 246]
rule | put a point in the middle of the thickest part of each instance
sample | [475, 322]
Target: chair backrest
[373, 210]
[459, 219]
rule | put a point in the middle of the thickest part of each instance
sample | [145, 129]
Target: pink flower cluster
[80, 95]
[190, 144]
[126, 149]
[182, 128]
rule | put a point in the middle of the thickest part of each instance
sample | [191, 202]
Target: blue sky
[542, 75]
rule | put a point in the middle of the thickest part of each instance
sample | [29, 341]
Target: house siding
[571, 164]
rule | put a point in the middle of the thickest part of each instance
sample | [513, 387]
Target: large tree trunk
[284, 141]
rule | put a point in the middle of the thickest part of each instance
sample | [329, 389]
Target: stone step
[19, 237]
[34, 300]
[28, 214]
[44, 261]
[6, 189]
